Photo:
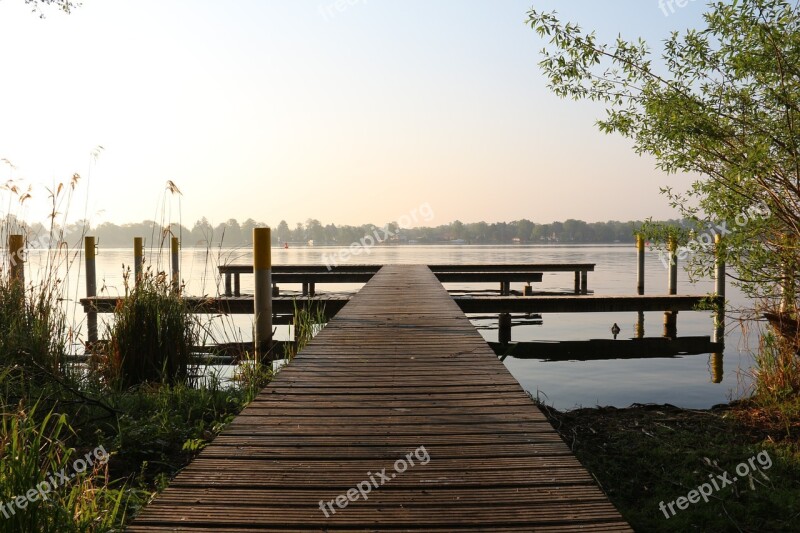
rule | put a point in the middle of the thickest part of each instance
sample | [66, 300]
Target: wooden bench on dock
[399, 370]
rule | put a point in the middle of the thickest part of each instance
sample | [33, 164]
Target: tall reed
[152, 334]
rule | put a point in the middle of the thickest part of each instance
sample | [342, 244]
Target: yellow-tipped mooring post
[262, 269]
[138, 258]
[640, 264]
[672, 247]
[671, 317]
[90, 252]
[719, 316]
[16, 254]
[176, 268]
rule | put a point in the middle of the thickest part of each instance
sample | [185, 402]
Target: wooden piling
[504, 328]
[672, 284]
[639, 329]
[671, 318]
[640, 264]
[719, 315]
[671, 324]
[262, 269]
[720, 267]
[505, 288]
[138, 258]
[90, 253]
[16, 254]
[176, 269]
[228, 289]
[716, 367]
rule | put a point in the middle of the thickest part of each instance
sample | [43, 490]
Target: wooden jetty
[398, 370]
[310, 275]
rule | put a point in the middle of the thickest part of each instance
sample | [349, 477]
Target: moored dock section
[396, 417]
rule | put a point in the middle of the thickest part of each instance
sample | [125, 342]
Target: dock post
[237, 286]
[671, 324]
[584, 282]
[505, 288]
[138, 258]
[90, 251]
[672, 284]
[176, 269]
[577, 282]
[671, 317]
[639, 329]
[716, 367]
[16, 254]
[719, 315]
[640, 264]
[228, 290]
[504, 328]
[262, 269]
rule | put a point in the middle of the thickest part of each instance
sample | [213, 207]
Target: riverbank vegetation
[86, 441]
[722, 103]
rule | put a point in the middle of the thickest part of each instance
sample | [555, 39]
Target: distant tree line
[233, 233]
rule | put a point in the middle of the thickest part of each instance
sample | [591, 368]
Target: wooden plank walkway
[399, 370]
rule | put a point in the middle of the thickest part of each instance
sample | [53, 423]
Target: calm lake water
[683, 381]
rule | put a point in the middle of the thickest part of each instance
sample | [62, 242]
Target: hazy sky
[290, 109]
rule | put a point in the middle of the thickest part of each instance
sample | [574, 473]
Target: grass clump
[32, 327]
[152, 334]
[46, 485]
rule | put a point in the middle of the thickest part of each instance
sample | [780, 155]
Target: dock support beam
[262, 269]
[176, 269]
[138, 258]
[16, 254]
[90, 252]
[640, 265]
